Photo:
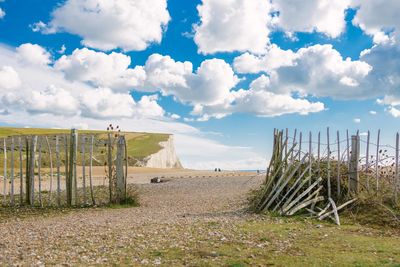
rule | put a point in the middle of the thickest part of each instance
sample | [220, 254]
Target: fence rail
[359, 159]
[57, 170]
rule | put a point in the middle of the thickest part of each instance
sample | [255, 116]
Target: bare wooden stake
[294, 142]
[348, 147]
[310, 155]
[12, 173]
[353, 166]
[58, 171]
[21, 184]
[83, 169]
[338, 164]
[319, 154]
[328, 169]
[396, 178]
[51, 168]
[5, 172]
[110, 169]
[300, 141]
[367, 159]
[39, 171]
[377, 161]
[286, 140]
[91, 169]
[32, 160]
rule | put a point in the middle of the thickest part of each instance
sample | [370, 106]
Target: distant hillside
[141, 146]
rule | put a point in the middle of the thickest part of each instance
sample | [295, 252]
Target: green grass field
[140, 145]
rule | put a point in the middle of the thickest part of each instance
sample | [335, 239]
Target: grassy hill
[140, 145]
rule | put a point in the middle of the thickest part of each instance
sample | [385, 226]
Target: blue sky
[220, 75]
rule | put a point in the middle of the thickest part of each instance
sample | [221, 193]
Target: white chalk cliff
[165, 158]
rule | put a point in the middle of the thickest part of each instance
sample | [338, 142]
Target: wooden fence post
[51, 167]
[5, 172]
[120, 169]
[12, 172]
[353, 165]
[58, 171]
[21, 186]
[71, 180]
[377, 162]
[110, 169]
[338, 164]
[91, 169]
[396, 177]
[27, 173]
[328, 169]
[83, 169]
[32, 158]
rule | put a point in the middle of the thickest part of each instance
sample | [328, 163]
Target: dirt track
[104, 236]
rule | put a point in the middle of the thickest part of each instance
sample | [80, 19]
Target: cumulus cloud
[107, 25]
[273, 58]
[382, 27]
[209, 84]
[9, 78]
[42, 89]
[258, 100]
[323, 16]
[100, 69]
[357, 120]
[33, 54]
[2, 13]
[103, 103]
[232, 25]
[317, 70]
[52, 100]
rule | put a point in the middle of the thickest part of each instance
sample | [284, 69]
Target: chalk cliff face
[165, 158]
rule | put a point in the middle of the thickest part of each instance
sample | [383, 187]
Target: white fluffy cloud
[210, 84]
[110, 24]
[41, 89]
[2, 13]
[100, 69]
[273, 58]
[258, 100]
[232, 25]
[9, 78]
[381, 26]
[50, 100]
[103, 103]
[33, 54]
[317, 70]
[323, 16]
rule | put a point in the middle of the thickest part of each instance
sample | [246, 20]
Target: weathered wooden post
[12, 173]
[328, 168]
[83, 169]
[91, 169]
[353, 165]
[5, 172]
[71, 178]
[51, 167]
[120, 169]
[21, 186]
[110, 170]
[58, 171]
[396, 177]
[27, 173]
[32, 158]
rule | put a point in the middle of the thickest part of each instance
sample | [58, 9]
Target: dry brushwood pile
[298, 184]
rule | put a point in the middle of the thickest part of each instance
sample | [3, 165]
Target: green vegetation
[269, 241]
[146, 144]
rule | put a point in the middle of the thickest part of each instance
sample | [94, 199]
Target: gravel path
[171, 215]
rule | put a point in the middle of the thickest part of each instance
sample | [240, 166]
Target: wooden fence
[57, 170]
[352, 162]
